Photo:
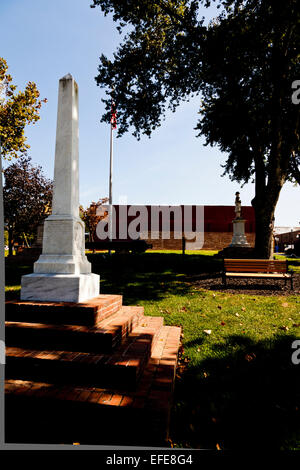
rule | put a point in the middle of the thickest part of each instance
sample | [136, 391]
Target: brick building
[216, 224]
[288, 239]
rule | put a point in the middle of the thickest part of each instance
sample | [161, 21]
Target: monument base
[237, 252]
[239, 238]
[60, 287]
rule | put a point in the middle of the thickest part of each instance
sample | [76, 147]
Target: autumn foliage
[17, 109]
[27, 197]
[91, 216]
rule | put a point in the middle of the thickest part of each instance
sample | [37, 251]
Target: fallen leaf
[284, 328]
[223, 323]
[237, 314]
[243, 309]
[208, 332]
[250, 357]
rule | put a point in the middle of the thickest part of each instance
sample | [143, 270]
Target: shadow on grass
[147, 276]
[248, 398]
[150, 276]
[13, 274]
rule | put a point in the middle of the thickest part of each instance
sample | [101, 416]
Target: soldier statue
[238, 209]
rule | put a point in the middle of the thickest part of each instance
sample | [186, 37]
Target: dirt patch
[247, 286]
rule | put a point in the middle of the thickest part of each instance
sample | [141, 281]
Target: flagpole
[110, 199]
[113, 125]
[111, 164]
[110, 183]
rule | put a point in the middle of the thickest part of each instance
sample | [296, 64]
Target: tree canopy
[242, 65]
[27, 197]
[91, 217]
[17, 109]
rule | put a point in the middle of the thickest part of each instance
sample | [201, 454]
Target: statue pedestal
[239, 248]
[239, 238]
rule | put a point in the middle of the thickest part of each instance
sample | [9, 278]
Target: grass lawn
[236, 386]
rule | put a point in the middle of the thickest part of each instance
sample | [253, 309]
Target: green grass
[294, 263]
[236, 387]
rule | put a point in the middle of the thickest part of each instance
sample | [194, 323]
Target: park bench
[256, 268]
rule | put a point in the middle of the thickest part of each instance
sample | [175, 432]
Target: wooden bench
[256, 268]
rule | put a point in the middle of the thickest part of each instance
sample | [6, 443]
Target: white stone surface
[66, 177]
[62, 272]
[59, 287]
[239, 237]
[63, 247]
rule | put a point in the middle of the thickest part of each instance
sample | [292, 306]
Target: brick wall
[217, 225]
[212, 241]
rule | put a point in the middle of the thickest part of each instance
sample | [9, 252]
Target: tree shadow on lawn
[147, 276]
[150, 276]
[248, 398]
[13, 274]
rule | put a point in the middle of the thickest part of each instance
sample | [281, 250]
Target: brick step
[89, 313]
[120, 369]
[108, 334]
[64, 414]
[150, 326]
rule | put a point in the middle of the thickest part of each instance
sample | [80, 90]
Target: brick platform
[104, 375]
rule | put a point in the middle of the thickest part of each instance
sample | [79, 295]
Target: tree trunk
[264, 221]
[268, 184]
[264, 206]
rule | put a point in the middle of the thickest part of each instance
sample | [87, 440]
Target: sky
[42, 41]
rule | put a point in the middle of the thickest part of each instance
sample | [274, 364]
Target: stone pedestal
[62, 272]
[239, 238]
[63, 247]
[59, 287]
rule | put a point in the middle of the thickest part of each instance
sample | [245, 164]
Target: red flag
[113, 119]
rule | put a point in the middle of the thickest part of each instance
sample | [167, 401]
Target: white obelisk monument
[62, 272]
